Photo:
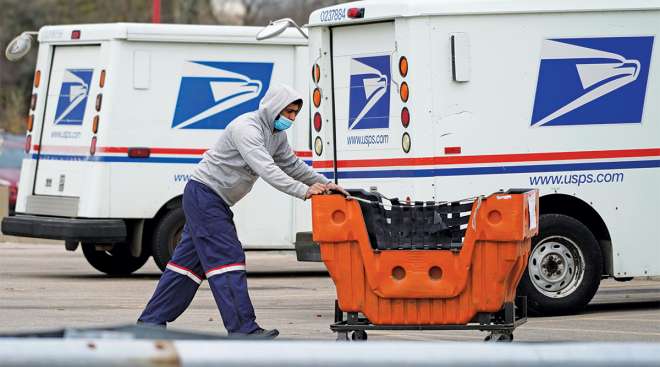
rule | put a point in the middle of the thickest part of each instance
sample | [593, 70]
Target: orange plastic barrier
[427, 287]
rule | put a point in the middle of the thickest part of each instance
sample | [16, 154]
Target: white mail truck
[121, 113]
[445, 99]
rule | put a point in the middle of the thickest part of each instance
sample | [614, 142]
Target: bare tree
[260, 12]
[22, 15]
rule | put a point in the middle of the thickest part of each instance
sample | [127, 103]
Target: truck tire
[118, 261]
[167, 234]
[564, 269]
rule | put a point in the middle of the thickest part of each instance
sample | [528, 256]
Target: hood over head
[276, 98]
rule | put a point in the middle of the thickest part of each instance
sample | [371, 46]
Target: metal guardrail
[104, 352]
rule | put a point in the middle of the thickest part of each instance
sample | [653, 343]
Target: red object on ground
[155, 15]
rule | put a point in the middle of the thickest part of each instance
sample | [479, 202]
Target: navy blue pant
[209, 248]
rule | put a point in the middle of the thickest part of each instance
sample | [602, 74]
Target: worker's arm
[293, 166]
[250, 144]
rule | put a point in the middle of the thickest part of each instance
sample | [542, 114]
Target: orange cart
[426, 265]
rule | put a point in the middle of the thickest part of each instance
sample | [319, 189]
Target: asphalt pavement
[44, 287]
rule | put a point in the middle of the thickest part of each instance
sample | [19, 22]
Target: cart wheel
[499, 336]
[342, 336]
[359, 335]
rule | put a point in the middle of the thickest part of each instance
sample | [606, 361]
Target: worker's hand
[315, 189]
[334, 187]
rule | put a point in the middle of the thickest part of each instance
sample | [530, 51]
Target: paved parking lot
[42, 286]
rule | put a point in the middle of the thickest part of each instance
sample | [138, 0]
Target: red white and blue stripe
[448, 165]
[489, 164]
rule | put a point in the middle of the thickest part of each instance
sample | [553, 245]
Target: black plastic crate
[396, 225]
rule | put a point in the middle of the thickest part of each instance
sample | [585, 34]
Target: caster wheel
[499, 337]
[359, 335]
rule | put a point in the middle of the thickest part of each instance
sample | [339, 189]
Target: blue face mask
[282, 123]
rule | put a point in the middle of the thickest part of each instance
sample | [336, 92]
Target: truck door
[66, 133]
[364, 95]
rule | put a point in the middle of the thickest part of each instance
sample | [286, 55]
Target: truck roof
[163, 33]
[375, 10]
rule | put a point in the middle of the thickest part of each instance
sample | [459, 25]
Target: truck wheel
[117, 261]
[167, 235]
[565, 266]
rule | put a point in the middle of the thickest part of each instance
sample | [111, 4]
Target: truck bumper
[67, 229]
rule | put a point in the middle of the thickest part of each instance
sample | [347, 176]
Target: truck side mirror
[19, 46]
[276, 27]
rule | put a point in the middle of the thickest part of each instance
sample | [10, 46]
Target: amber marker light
[404, 92]
[316, 97]
[95, 124]
[37, 78]
[403, 66]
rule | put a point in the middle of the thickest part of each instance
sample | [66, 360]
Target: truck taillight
[316, 73]
[28, 143]
[139, 152]
[75, 35]
[29, 123]
[318, 146]
[92, 146]
[102, 79]
[37, 78]
[406, 142]
[33, 101]
[317, 122]
[316, 97]
[404, 94]
[355, 13]
[99, 100]
[405, 117]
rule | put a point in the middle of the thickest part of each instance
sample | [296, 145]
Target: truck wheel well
[585, 213]
[150, 224]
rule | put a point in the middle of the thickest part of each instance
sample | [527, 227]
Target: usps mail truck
[439, 100]
[121, 113]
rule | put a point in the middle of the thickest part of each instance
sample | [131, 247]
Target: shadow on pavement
[651, 305]
[156, 276]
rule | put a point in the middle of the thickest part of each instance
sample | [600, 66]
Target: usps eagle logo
[369, 95]
[213, 93]
[587, 81]
[72, 100]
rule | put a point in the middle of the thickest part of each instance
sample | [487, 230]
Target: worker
[253, 145]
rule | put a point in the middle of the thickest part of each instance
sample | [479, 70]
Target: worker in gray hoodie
[253, 145]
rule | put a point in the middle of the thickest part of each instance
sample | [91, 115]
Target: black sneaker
[148, 324]
[257, 334]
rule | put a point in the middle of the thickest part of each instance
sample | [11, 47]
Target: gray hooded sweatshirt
[250, 148]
